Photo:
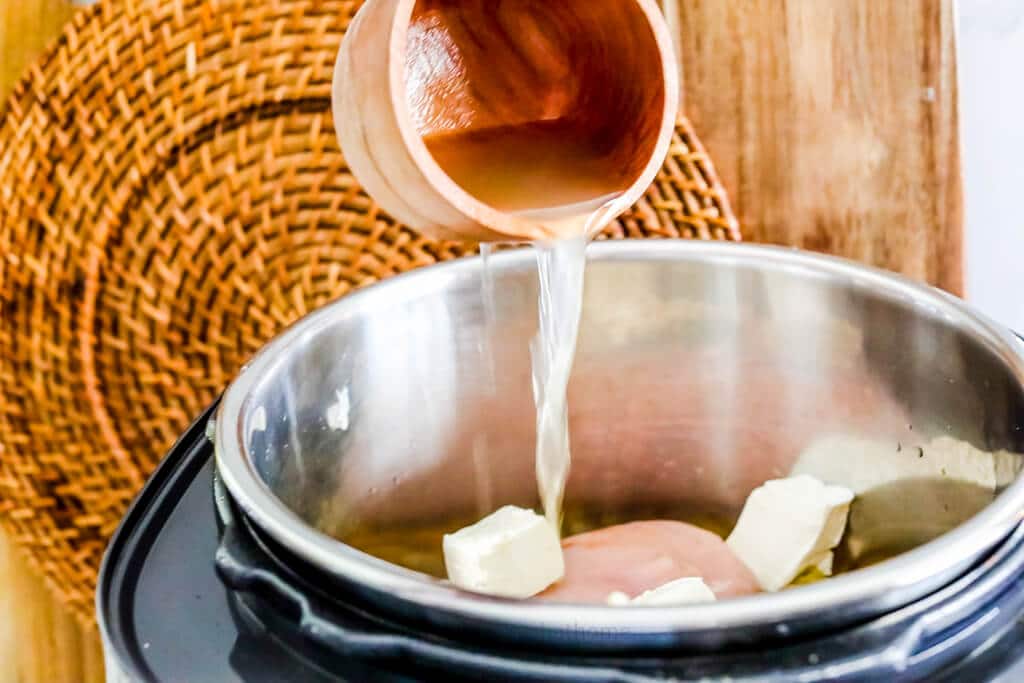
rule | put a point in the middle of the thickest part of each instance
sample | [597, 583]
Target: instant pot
[702, 370]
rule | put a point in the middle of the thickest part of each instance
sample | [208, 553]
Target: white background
[991, 80]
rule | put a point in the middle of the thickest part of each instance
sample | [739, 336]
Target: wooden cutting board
[833, 124]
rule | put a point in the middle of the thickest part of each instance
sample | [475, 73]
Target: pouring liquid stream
[560, 266]
[542, 173]
[560, 270]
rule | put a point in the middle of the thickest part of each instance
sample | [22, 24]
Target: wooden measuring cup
[492, 119]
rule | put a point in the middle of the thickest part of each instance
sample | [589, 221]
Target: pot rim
[864, 592]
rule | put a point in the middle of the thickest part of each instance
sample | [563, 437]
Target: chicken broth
[541, 170]
[418, 547]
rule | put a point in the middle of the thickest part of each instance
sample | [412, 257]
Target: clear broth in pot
[418, 547]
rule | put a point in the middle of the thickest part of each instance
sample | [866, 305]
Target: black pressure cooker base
[167, 615]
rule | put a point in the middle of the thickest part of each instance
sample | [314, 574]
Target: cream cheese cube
[788, 525]
[618, 599]
[512, 553]
[824, 564]
[685, 591]
[862, 465]
[907, 493]
[689, 590]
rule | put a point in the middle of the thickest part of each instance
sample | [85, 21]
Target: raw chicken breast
[639, 556]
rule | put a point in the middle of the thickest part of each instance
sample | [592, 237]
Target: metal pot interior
[702, 370]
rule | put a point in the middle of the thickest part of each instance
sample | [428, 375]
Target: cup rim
[499, 221]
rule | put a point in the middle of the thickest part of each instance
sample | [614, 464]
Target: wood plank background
[833, 124]
[39, 641]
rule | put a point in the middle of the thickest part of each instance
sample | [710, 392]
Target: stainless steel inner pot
[702, 370]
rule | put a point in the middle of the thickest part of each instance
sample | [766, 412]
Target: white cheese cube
[862, 465]
[788, 525]
[513, 553]
[686, 591]
[618, 599]
[907, 493]
[1007, 466]
[824, 564]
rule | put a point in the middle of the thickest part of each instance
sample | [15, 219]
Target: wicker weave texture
[171, 196]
